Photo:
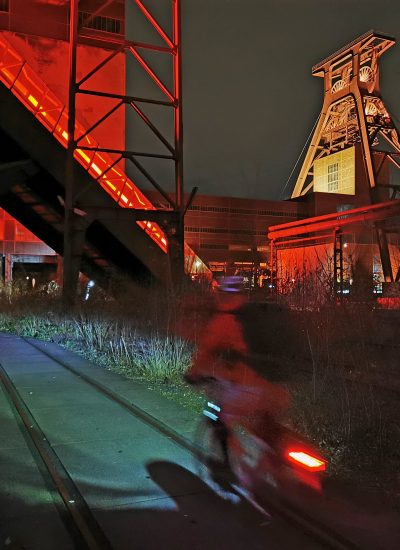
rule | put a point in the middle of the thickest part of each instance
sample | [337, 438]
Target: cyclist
[232, 361]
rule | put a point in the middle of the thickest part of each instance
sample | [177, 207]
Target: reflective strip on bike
[210, 415]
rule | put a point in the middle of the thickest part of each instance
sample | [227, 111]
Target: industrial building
[228, 233]
[342, 219]
[349, 242]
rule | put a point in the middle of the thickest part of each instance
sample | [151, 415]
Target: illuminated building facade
[349, 179]
[229, 233]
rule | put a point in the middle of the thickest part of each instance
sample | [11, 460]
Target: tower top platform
[371, 37]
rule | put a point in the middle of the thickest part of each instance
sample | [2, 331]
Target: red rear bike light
[306, 460]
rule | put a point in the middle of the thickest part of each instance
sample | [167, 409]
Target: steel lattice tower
[354, 114]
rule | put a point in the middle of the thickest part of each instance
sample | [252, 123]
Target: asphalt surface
[141, 486]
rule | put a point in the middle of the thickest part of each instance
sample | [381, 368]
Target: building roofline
[357, 40]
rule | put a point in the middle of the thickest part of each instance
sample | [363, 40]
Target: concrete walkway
[141, 485]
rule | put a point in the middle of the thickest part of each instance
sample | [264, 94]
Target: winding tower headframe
[353, 111]
[354, 120]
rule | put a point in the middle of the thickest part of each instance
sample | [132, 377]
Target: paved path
[140, 484]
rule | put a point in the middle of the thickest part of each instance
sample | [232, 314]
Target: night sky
[250, 101]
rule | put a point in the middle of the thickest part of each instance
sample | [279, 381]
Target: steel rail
[311, 527]
[78, 512]
[152, 421]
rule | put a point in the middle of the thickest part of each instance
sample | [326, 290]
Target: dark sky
[250, 101]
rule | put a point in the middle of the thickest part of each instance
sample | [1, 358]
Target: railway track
[75, 513]
[74, 510]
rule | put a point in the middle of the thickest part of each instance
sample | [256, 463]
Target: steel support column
[71, 254]
[8, 268]
[176, 241]
[273, 265]
[384, 252]
[338, 263]
[172, 100]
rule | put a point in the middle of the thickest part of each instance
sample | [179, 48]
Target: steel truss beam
[173, 100]
[370, 212]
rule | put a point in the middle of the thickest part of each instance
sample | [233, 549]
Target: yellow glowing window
[333, 177]
[335, 173]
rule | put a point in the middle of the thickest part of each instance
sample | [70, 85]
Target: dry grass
[346, 391]
[133, 338]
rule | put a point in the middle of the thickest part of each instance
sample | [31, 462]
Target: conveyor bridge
[33, 162]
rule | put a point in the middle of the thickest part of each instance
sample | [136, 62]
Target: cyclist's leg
[221, 433]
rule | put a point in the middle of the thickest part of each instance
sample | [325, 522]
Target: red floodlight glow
[27, 86]
[307, 461]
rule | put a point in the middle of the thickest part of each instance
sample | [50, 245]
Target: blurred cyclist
[232, 364]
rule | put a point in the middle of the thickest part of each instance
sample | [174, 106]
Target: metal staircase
[33, 134]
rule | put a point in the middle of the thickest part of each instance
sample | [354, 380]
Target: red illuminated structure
[23, 253]
[329, 228]
[127, 194]
[347, 169]
[105, 164]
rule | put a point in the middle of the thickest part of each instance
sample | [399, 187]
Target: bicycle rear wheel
[212, 464]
